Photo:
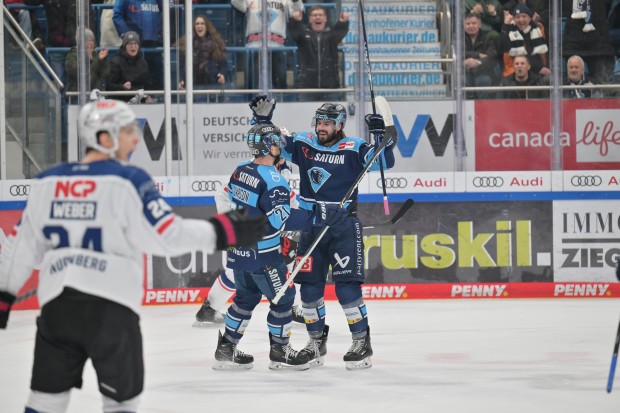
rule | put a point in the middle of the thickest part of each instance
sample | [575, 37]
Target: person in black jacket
[128, 69]
[480, 57]
[318, 52]
[524, 76]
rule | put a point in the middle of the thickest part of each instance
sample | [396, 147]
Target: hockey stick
[386, 206]
[397, 216]
[614, 359]
[314, 244]
[25, 296]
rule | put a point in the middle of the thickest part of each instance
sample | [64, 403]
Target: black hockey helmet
[331, 111]
[262, 137]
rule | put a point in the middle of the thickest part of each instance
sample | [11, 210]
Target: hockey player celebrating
[260, 270]
[86, 227]
[329, 164]
[223, 288]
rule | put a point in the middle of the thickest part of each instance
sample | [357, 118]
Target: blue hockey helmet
[262, 137]
[331, 111]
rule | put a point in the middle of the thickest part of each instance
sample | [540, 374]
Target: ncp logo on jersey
[80, 188]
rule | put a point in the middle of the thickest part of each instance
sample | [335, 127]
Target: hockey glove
[618, 269]
[262, 109]
[6, 301]
[235, 228]
[328, 214]
[289, 249]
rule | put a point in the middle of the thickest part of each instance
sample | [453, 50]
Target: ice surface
[508, 356]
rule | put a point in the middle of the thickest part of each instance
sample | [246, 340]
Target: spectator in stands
[128, 69]
[490, 13]
[576, 75]
[210, 67]
[480, 57]
[333, 8]
[522, 36]
[61, 23]
[524, 76]
[613, 19]
[108, 34]
[99, 65]
[587, 34]
[143, 17]
[318, 52]
[22, 16]
[280, 12]
[539, 7]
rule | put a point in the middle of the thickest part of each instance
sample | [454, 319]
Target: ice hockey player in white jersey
[86, 226]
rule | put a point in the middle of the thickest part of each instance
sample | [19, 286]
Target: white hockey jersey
[86, 226]
[279, 13]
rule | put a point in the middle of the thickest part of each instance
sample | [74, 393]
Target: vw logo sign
[393, 183]
[19, 190]
[586, 180]
[206, 186]
[488, 181]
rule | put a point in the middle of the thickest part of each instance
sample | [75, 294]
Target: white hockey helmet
[104, 116]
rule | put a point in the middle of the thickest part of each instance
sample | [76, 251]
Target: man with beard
[329, 163]
[523, 76]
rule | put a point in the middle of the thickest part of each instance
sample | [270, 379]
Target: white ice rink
[495, 356]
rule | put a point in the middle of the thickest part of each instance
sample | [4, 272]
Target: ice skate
[298, 314]
[207, 315]
[316, 348]
[358, 356]
[284, 357]
[227, 357]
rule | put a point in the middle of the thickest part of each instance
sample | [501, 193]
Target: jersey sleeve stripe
[165, 224]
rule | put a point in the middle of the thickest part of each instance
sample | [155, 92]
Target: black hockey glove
[328, 214]
[235, 228]
[618, 269]
[6, 301]
[262, 109]
[289, 249]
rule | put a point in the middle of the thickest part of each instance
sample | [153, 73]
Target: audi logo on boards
[17, 190]
[586, 180]
[393, 183]
[206, 186]
[488, 182]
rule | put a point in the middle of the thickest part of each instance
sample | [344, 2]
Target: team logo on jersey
[318, 176]
[346, 145]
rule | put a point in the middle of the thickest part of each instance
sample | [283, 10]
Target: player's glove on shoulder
[328, 214]
[236, 228]
[262, 108]
[6, 301]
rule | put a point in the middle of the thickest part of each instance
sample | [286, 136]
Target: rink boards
[496, 245]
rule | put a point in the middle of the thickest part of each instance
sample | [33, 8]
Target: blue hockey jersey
[327, 172]
[262, 190]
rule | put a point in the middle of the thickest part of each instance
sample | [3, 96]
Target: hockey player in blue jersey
[86, 227]
[258, 187]
[329, 163]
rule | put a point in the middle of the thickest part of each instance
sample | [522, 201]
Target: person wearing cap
[521, 36]
[98, 63]
[539, 7]
[128, 69]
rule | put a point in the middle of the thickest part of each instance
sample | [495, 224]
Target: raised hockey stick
[614, 359]
[305, 257]
[397, 216]
[386, 206]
